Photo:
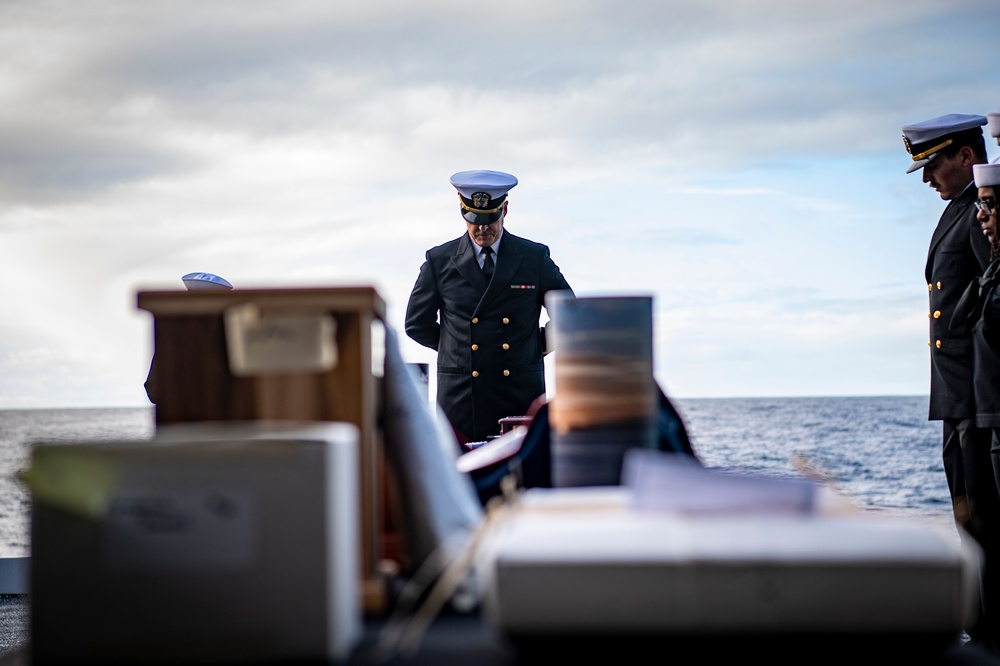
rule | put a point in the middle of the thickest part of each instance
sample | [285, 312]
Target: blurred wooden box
[191, 379]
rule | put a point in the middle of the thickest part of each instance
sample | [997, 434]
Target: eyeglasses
[988, 206]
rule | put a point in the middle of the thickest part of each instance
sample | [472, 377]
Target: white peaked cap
[986, 175]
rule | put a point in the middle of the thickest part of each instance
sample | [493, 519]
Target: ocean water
[879, 452]
[19, 429]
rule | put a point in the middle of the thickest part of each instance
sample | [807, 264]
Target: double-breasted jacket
[487, 335]
[958, 254]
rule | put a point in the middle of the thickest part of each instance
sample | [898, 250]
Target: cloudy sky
[740, 161]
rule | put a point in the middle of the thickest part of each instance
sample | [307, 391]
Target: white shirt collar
[495, 246]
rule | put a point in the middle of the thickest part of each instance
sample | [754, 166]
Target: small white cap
[993, 124]
[200, 281]
[986, 175]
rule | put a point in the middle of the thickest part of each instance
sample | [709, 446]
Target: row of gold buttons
[506, 320]
[937, 313]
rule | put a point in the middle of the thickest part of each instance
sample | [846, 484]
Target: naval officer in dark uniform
[477, 301]
[946, 148]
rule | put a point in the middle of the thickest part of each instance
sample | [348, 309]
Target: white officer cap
[925, 140]
[986, 175]
[993, 123]
[202, 281]
[482, 194]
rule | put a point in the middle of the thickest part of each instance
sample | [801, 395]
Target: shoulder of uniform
[523, 243]
[447, 249]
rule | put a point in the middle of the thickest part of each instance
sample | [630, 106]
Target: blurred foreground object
[588, 564]
[339, 381]
[681, 485]
[605, 397]
[212, 542]
[438, 507]
[525, 451]
[196, 281]
[193, 282]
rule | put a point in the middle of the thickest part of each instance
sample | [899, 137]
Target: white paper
[274, 344]
[674, 483]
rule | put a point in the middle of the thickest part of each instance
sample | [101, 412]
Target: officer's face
[950, 175]
[487, 234]
[988, 221]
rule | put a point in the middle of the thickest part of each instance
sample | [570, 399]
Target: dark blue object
[532, 464]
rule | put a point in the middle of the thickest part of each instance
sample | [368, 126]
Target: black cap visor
[481, 218]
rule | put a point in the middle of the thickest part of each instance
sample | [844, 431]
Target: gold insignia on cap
[478, 209]
[480, 200]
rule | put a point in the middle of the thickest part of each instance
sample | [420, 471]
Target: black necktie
[488, 264]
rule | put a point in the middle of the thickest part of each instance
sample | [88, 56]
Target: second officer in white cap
[477, 301]
[983, 306]
[993, 125]
[946, 148]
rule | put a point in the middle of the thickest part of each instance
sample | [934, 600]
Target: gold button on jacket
[937, 314]
[506, 346]
[506, 373]
[475, 347]
[506, 320]
[475, 373]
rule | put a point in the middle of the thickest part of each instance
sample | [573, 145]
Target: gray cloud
[711, 151]
[95, 93]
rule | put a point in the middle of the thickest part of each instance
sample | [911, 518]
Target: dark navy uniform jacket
[986, 339]
[489, 342]
[958, 254]
[979, 313]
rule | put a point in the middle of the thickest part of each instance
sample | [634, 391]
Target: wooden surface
[193, 381]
